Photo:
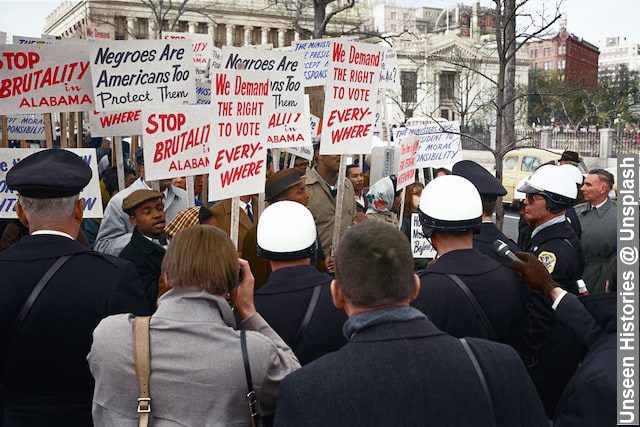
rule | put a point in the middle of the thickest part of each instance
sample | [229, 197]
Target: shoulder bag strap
[252, 399]
[481, 377]
[313, 303]
[35, 293]
[142, 363]
[491, 333]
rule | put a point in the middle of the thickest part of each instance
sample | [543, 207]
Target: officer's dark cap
[138, 197]
[487, 185]
[280, 182]
[570, 156]
[49, 174]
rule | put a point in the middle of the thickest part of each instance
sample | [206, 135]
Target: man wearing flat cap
[54, 293]
[489, 188]
[148, 242]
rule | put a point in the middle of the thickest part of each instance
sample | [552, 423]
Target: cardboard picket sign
[44, 78]
[389, 73]
[202, 51]
[115, 123]
[176, 141]
[29, 127]
[216, 58]
[306, 152]
[420, 245]
[95, 33]
[317, 54]
[438, 148]
[351, 94]
[406, 168]
[139, 73]
[203, 92]
[241, 101]
[9, 157]
[288, 124]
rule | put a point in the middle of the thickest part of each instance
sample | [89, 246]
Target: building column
[265, 35]
[211, 30]
[230, 29]
[247, 35]
[131, 22]
[192, 27]
[281, 33]
[606, 143]
[296, 36]
[152, 28]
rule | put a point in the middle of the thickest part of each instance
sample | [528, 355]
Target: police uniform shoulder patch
[548, 259]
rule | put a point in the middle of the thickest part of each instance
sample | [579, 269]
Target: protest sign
[25, 126]
[288, 124]
[350, 98]
[140, 73]
[316, 60]
[9, 157]
[203, 93]
[94, 33]
[406, 168]
[306, 152]
[175, 141]
[202, 50]
[44, 78]
[420, 245]
[115, 123]
[439, 143]
[216, 59]
[389, 73]
[241, 109]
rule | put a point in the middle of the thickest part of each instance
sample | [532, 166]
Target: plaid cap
[188, 217]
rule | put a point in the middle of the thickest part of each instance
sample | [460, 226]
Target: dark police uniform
[498, 289]
[489, 233]
[283, 300]
[43, 366]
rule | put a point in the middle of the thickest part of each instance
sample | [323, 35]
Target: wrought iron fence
[469, 140]
[587, 144]
[625, 142]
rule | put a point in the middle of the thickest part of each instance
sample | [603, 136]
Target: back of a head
[201, 257]
[374, 265]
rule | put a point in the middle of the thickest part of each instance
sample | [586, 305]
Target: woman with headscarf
[383, 201]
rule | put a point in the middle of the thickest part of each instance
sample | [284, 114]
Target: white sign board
[95, 33]
[176, 141]
[241, 102]
[288, 124]
[420, 246]
[202, 50]
[316, 60]
[203, 93]
[41, 78]
[439, 143]
[216, 59]
[139, 73]
[304, 152]
[9, 157]
[28, 127]
[115, 123]
[389, 73]
[406, 168]
[350, 98]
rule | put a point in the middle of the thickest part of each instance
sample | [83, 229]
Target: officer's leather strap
[252, 399]
[313, 303]
[481, 377]
[488, 327]
[142, 363]
[35, 293]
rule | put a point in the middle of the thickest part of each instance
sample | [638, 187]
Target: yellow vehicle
[519, 164]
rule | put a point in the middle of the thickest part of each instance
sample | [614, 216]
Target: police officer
[489, 188]
[464, 292]
[54, 293]
[296, 299]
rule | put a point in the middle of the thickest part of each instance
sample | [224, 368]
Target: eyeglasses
[531, 198]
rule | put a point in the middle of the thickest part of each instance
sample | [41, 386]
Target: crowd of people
[152, 316]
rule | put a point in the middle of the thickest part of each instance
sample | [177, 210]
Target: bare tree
[311, 18]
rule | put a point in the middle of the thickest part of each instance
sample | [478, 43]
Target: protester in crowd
[197, 187]
[383, 200]
[197, 371]
[321, 182]
[248, 216]
[300, 164]
[489, 189]
[115, 228]
[598, 218]
[574, 174]
[463, 285]
[148, 241]
[398, 368]
[310, 325]
[589, 397]
[54, 293]
[441, 172]
[411, 203]
[354, 173]
[190, 217]
[569, 158]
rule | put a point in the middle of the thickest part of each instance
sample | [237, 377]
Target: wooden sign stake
[190, 192]
[117, 148]
[48, 130]
[235, 221]
[4, 143]
[339, 203]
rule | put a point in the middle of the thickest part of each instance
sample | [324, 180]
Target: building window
[121, 28]
[141, 29]
[547, 65]
[447, 86]
[547, 51]
[202, 28]
[238, 36]
[394, 28]
[182, 27]
[394, 15]
[444, 113]
[533, 53]
[561, 64]
[220, 38]
[562, 49]
[409, 84]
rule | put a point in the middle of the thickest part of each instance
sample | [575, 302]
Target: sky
[592, 20]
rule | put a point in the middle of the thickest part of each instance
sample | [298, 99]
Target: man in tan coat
[248, 206]
[321, 182]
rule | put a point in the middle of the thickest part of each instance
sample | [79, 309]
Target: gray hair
[60, 208]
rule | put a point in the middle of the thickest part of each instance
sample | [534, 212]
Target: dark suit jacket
[483, 241]
[409, 374]
[44, 369]
[498, 289]
[283, 301]
[147, 257]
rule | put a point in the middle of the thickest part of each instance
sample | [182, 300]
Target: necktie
[249, 212]
[162, 239]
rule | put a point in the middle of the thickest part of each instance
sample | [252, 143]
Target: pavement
[510, 226]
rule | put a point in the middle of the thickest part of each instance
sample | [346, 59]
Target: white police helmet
[286, 231]
[573, 173]
[551, 182]
[519, 195]
[450, 203]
